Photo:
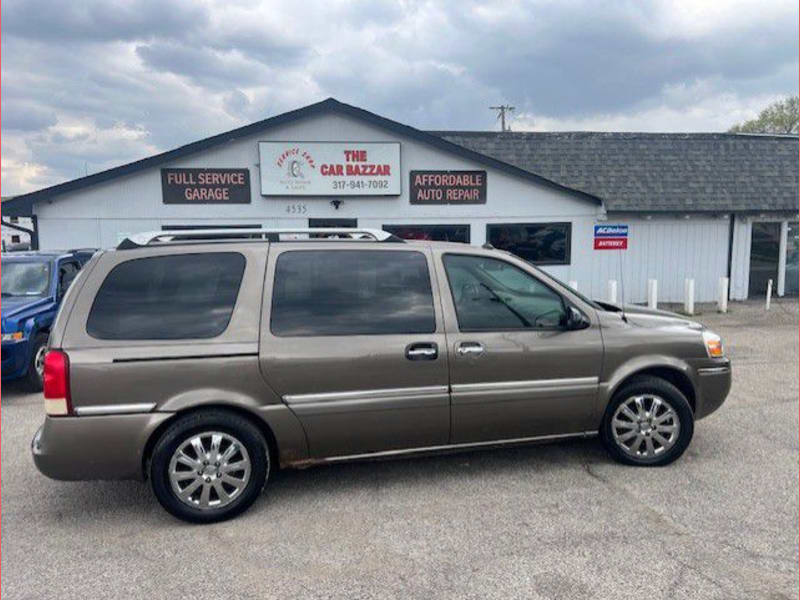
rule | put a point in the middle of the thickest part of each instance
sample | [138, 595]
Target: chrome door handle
[467, 348]
[422, 351]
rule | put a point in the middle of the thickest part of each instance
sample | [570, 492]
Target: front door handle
[422, 351]
[470, 348]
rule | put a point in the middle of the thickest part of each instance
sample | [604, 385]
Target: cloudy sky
[91, 84]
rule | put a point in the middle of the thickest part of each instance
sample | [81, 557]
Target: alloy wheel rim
[645, 426]
[38, 361]
[209, 470]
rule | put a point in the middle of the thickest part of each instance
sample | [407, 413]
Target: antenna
[501, 114]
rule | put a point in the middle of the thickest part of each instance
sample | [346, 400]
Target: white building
[13, 234]
[699, 206]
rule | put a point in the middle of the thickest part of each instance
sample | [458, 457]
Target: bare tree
[779, 117]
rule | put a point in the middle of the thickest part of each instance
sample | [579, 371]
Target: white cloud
[90, 86]
[713, 113]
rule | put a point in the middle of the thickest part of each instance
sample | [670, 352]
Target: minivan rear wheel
[647, 423]
[209, 466]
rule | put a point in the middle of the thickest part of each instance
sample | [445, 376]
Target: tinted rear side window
[182, 296]
[351, 292]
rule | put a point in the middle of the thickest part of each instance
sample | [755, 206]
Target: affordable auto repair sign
[610, 237]
[330, 168]
[448, 187]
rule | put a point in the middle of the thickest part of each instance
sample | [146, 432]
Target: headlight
[13, 337]
[713, 344]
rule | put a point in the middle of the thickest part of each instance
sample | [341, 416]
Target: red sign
[448, 187]
[611, 243]
[205, 186]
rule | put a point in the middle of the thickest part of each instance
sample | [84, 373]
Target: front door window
[492, 295]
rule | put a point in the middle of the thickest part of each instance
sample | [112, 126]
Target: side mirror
[576, 319]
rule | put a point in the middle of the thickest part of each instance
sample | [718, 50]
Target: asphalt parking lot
[555, 521]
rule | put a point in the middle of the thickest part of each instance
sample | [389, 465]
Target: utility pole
[501, 114]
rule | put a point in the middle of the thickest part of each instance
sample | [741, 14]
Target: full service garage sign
[610, 237]
[205, 186]
[330, 168]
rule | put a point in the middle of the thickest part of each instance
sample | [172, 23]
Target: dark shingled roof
[686, 172]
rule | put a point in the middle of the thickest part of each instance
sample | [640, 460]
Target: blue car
[33, 284]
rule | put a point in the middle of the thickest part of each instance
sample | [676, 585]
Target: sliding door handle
[470, 349]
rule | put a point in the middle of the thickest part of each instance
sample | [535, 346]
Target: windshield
[547, 275]
[25, 278]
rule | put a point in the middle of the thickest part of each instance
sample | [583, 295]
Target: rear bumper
[101, 447]
[713, 385]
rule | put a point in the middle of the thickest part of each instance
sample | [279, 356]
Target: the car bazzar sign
[330, 168]
[205, 186]
[448, 187]
[610, 237]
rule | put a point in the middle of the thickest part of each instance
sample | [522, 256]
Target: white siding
[667, 249]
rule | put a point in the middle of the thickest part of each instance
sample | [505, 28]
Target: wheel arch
[255, 419]
[669, 369]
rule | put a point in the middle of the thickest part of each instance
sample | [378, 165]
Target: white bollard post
[652, 293]
[769, 292]
[722, 301]
[612, 291]
[573, 284]
[688, 301]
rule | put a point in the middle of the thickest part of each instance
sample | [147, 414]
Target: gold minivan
[203, 361]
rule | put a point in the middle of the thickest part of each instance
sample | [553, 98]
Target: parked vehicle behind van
[204, 361]
[33, 284]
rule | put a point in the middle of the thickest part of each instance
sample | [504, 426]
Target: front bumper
[101, 447]
[713, 385]
[15, 359]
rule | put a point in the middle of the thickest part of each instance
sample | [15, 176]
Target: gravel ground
[555, 521]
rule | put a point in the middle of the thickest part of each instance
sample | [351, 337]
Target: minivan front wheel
[209, 466]
[647, 423]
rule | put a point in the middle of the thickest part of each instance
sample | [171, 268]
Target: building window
[15, 219]
[436, 233]
[792, 257]
[764, 256]
[15, 239]
[351, 292]
[333, 223]
[193, 227]
[538, 243]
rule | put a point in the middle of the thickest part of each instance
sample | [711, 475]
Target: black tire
[647, 385]
[211, 420]
[34, 382]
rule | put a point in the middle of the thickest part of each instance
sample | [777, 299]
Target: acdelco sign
[610, 237]
[329, 168]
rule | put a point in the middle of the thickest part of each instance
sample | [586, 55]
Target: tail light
[57, 399]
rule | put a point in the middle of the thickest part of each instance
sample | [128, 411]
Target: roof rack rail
[184, 236]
